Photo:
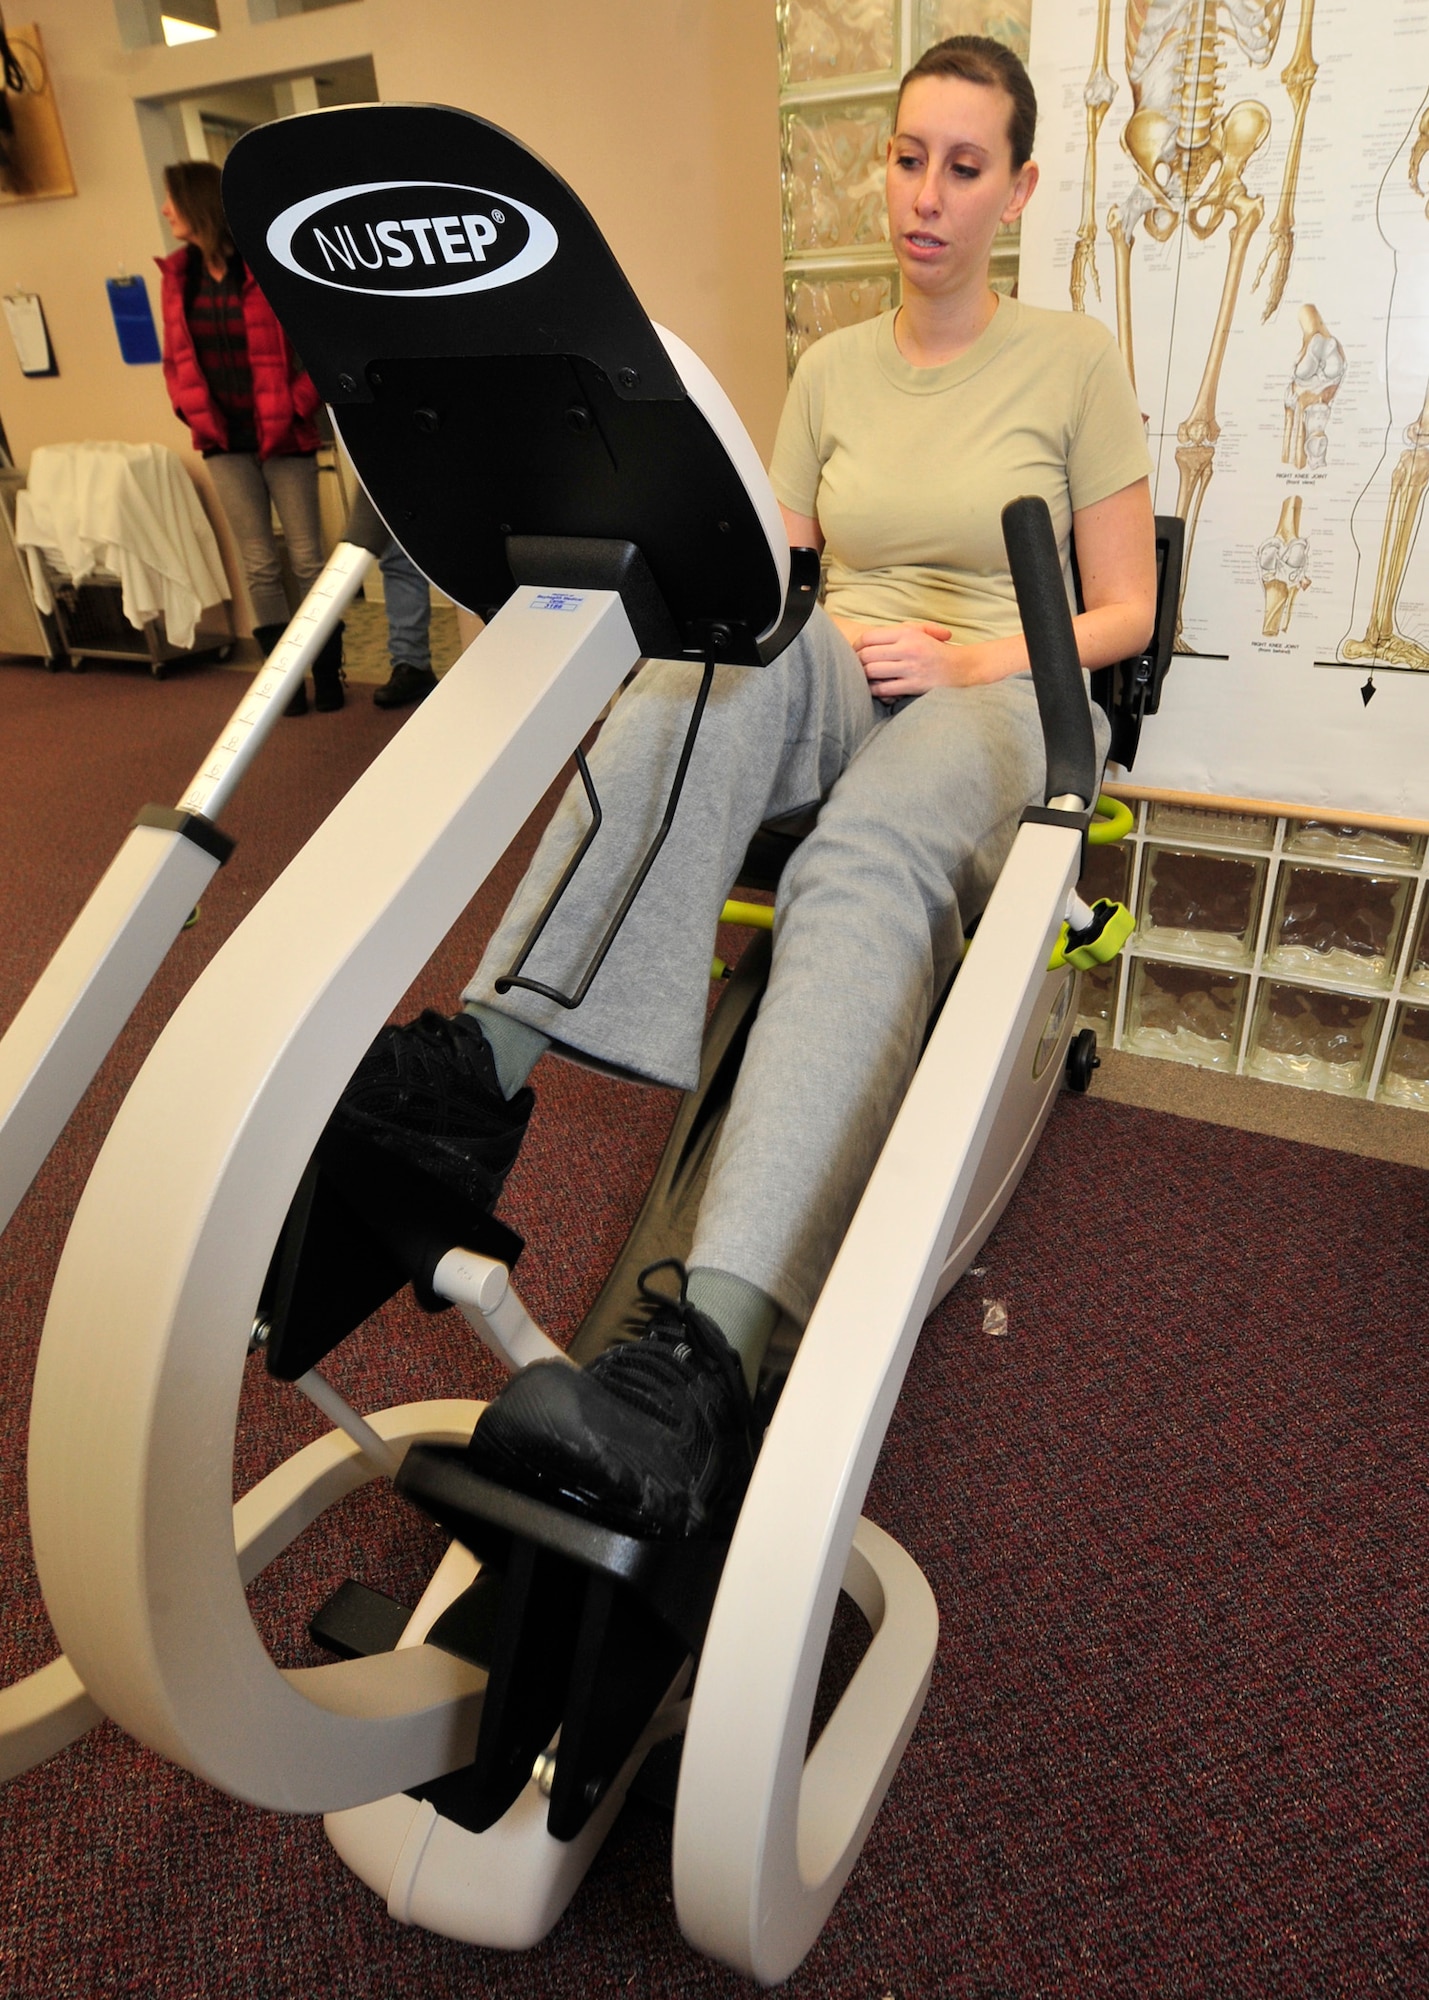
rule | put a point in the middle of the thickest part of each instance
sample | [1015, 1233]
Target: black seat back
[1131, 689]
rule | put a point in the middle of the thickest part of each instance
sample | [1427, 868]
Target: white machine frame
[140, 1368]
[52, 1049]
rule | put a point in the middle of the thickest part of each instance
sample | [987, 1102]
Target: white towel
[130, 509]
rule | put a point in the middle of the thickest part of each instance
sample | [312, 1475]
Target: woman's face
[951, 181]
[176, 220]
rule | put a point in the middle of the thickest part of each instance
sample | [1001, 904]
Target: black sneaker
[406, 684]
[429, 1093]
[652, 1438]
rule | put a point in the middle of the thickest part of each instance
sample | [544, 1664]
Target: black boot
[268, 637]
[327, 674]
[406, 684]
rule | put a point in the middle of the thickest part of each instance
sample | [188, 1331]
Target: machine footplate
[591, 1628]
[362, 1224]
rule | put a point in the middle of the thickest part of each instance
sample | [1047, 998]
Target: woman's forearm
[905, 659]
[1110, 633]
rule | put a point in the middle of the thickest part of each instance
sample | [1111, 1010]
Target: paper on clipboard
[30, 334]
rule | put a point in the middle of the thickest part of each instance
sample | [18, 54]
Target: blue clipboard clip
[133, 319]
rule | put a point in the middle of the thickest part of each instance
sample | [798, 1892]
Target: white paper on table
[29, 332]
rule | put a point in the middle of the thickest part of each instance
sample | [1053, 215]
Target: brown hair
[195, 189]
[979, 59]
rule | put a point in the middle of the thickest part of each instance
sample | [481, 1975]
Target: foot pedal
[592, 1628]
[532, 1645]
[625, 1658]
[356, 1622]
[363, 1224]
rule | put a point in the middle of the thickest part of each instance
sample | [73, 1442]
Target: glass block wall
[1292, 950]
[840, 61]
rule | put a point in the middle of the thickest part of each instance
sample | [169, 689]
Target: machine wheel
[1082, 1059]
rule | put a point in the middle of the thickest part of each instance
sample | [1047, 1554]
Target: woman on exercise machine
[905, 705]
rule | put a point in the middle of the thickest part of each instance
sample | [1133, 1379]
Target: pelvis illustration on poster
[1240, 190]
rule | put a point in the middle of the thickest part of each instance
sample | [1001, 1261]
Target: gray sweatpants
[922, 802]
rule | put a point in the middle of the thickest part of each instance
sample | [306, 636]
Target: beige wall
[661, 113]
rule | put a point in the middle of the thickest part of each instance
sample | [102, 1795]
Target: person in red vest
[234, 379]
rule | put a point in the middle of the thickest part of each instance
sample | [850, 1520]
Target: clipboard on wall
[26, 318]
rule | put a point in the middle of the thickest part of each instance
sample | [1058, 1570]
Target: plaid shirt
[220, 337]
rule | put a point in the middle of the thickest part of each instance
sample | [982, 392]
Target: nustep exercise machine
[474, 336]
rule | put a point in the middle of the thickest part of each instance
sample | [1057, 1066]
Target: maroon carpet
[1174, 1519]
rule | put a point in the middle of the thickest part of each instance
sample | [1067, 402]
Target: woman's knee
[862, 916]
[262, 570]
[881, 851]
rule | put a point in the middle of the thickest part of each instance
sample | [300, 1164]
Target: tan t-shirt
[908, 469]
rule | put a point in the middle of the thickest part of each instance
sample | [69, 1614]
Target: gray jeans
[249, 488]
[922, 803]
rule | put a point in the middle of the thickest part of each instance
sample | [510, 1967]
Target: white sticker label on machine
[557, 600]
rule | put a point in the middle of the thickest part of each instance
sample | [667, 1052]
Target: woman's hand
[904, 659]
[913, 657]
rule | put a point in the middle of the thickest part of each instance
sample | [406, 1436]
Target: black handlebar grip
[1052, 649]
[365, 527]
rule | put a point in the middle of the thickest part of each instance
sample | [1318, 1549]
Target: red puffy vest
[284, 398]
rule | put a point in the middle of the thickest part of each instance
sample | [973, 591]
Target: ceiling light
[176, 31]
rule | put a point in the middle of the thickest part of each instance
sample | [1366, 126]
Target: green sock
[744, 1315]
[516, 1047]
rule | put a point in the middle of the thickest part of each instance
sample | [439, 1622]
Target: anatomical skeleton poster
[1240, 190]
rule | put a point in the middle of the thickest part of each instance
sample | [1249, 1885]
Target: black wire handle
[513, 977]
